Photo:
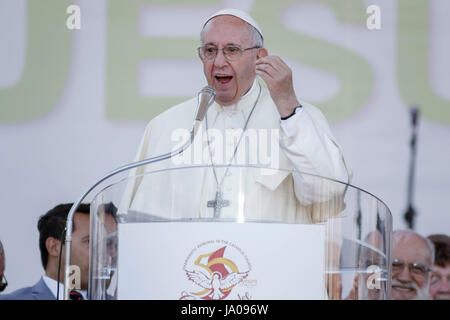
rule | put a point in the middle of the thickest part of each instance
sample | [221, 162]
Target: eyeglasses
[231, 52]
[3, 284]
[416, 269]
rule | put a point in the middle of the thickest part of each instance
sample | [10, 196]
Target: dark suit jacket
[39, 291]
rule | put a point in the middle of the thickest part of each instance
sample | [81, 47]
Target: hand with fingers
[278, 77]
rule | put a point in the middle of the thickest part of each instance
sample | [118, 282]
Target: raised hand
[278, 77]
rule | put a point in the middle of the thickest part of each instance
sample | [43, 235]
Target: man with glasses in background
[254, 90]
[412, 260]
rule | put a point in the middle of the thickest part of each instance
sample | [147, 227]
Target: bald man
[254, 94]
[412, 259]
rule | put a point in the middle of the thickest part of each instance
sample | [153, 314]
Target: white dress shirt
[53, 285]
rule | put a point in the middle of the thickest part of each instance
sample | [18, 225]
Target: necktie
[75, 295]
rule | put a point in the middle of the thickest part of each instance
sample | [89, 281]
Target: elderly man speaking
[254, 91]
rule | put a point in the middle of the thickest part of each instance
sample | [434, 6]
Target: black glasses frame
[241, 51]
[420, 268]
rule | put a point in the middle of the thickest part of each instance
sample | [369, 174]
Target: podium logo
[217, 270]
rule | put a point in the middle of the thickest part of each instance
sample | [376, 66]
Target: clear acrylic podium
[357, 225]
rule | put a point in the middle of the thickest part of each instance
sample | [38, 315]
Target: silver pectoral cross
[218, 204]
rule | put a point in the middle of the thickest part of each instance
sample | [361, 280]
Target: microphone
[206, 97]
[410, 213]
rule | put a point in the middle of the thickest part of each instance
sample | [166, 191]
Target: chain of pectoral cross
[218, 203]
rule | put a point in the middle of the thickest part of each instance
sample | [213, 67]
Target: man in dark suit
[51, 228]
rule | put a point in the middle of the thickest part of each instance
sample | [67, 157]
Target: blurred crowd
[420, 265]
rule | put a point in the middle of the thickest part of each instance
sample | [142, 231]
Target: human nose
[219, 59]
[404, 274]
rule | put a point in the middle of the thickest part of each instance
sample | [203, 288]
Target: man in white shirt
[254, 91]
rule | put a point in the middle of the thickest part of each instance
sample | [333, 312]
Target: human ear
[262, 52]
[53, 246]
[199, 56]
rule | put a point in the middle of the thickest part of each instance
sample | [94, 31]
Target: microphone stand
[202, 108]
[411, 212]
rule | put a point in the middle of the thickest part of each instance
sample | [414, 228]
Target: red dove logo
[216, 276]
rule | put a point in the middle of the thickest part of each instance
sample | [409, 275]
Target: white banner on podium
[211, 260]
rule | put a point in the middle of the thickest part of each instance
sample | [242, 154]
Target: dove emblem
[217, 267]
[216, 284]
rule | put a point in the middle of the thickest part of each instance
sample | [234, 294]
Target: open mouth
[223, 79]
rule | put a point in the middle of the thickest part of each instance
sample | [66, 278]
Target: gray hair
[255, 37]
[400, 234]
[2, 251]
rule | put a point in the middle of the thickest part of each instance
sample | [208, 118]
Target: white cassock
[304, 142]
